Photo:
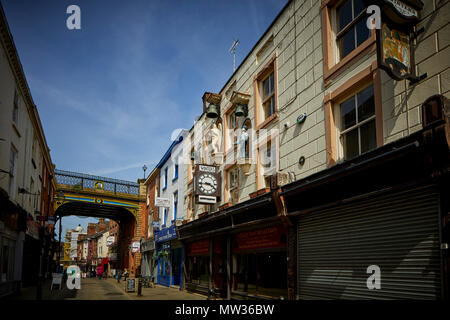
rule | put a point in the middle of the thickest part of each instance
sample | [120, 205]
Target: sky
[110, 94]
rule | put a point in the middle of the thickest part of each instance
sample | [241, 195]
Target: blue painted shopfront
[169, 259]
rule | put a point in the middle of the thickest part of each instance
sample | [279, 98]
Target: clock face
[207, 183]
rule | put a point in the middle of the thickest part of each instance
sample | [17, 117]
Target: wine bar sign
[395, 39]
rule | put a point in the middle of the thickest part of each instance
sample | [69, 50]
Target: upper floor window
[175, 205]
[268, 95]
[233, 185]
[265, 85]
[175, 171]
[165, 179]
[12, 172]
[358, 127]
[15, 115]
[351, 28]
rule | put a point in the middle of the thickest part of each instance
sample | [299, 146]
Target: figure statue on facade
[242, 143]
[216, 138]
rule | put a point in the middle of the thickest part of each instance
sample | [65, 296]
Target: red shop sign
[272, 237]
[199, 248]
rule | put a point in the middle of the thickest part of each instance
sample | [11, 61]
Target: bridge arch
[79, 194]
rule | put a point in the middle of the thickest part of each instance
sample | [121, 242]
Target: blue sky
[110, 95]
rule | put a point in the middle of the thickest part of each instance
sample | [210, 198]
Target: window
[191, 206]
[7, 259]
[165, 179]
[351, 26]
[175, 171]
[191, 164]
[12, 173]
[175, 205]
[165, 213]
[345, 36]
[268, 95]
[358, 127]
[15, 115]
[267, 159]
[30, 197]
[265, 86]
[198, 270]
[262, 274]
[233, 185]
[232, 126]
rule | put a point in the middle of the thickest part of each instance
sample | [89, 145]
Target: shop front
[386, 211]
[176, 256]
[243, 255]
[163, 239]
[259, 263]
[148, 261]
[13, 225]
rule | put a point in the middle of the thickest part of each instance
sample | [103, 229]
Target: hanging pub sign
[395, 39]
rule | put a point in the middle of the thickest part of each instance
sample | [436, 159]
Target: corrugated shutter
[398, 232]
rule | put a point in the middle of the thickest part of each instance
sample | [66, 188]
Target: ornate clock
[207, 184]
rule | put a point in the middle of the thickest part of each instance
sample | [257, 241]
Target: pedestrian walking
[99, 272]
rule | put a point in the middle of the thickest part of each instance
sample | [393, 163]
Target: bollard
[139, 287]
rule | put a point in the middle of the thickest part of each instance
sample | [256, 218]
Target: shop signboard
[199, 248]
[135, 246]
[272, 237]
[162, 202]
[165, 234]
[110, 241]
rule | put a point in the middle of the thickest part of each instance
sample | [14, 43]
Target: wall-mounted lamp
[301, 118]
[301, 161]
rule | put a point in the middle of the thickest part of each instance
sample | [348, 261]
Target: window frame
[175, 171]
[261, 120]
[332, 64]
[356, 126]
[228, 188]
[165, 178]
[12, 171]
[332, 101]
[16, 102]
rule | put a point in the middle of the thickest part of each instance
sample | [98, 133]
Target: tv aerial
[233, 51]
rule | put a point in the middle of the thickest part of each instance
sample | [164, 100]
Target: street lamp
[144, 168]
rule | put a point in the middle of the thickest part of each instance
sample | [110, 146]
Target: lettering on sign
[403, 8]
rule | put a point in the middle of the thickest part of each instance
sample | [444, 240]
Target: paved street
[107, 289]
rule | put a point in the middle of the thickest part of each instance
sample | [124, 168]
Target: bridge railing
[81, 181]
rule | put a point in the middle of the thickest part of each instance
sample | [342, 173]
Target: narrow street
[106, 289]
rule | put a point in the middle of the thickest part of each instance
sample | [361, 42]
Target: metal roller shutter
[398, 232]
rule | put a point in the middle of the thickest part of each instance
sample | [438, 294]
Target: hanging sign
[110, 241]
[394, 51]
[403, 9]
[395, 39]
[162, 202]
[135, 246]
